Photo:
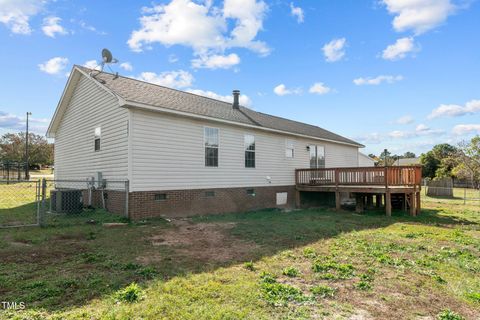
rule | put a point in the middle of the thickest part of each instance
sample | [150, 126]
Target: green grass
[17, 203]
[261, 265]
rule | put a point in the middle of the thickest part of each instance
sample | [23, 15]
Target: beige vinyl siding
[167, 153]
[365, 161]
[91, 107]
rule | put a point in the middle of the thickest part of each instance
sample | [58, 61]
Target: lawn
[302, 264]
[17, 203]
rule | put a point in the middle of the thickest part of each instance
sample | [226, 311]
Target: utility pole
[385, 159]
[27, 165]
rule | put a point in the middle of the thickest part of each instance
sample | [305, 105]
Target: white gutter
[143, 106]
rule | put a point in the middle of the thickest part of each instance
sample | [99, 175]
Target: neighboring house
[182, 153]
[365, 161]
[407, 161]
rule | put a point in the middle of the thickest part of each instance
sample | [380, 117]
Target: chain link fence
[452, 195]
[34, 203]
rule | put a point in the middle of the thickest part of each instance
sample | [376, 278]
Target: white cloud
[127, 66]
[462, 129]
[51, 26]
[244, 99]
[216, 61]
[399, 49]
[370, 138]
[297, 12]
[334, 50]
[419, 15]
[282, 90]
[207, 29]
[319, 88]
[54, 65]
[173, 79]
[420, 130]
[404, 120]
[16, 14]
[453, 110]
[377, 80]
[14, 122]
[172, 58]
[92, 64]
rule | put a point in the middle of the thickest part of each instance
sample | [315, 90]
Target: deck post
[359, 199]
[388, 203]
[413, 208]
[419, 207]
[297, 199]
[378, 200]
[337, 200]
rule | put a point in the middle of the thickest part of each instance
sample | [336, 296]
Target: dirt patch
[210, 242]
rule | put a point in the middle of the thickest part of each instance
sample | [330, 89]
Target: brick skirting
[183, 203]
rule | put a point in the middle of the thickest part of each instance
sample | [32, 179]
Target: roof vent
[236, 98]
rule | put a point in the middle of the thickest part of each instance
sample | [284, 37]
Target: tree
[468, 161]
[12, 148]
[409, 154]
[387, 159]
[435, 161]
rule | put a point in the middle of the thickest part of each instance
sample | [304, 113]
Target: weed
[131, 266]
[249, 265]
[147, 272]
[439, 279]
[280, 294]
[267, 277]
[309, 252]
[130, 294]
[364, 285]
[474, 296]
[449, 315]
[323, 291]
[290, 272]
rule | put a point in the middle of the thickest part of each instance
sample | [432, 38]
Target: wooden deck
[403, 183]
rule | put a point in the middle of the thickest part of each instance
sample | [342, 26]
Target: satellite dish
[107, 56]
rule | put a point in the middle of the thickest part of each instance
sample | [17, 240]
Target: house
[407, 162]
[182, 153]
[365, 161]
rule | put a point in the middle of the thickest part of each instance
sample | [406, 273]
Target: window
[289, 149]
[249, 151]
[211, 147]
[209, 194]
[98, 134]
[160, 197]
[251, 192]
[317, 156]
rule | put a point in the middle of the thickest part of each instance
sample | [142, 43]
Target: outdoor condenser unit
[66, 201]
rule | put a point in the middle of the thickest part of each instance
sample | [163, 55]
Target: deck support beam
[418, 203]
[413, 209]
[359, 199]
[338, 203]
[297, 199]
[388, 203]
[369, 201]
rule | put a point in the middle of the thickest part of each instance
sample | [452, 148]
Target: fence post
[41, 217]
[127, 189]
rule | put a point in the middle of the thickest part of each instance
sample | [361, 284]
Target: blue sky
[396, 74]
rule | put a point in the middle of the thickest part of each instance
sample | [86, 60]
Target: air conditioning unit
[66, 201]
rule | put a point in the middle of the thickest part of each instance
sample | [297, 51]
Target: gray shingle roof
[158, 96]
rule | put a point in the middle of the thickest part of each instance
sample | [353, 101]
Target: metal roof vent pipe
[236, 99]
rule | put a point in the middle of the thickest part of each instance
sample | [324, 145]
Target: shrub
[249, 265]
[290, 272]
[323, 291]
[449, 315]
[130, 294]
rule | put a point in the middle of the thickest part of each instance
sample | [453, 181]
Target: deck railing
[361, 176]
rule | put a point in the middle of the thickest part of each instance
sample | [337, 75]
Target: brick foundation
[183, 203]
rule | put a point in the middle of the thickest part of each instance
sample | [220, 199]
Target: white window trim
[244, 150]
[95, 138]
[218, 147]
[292, 143]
